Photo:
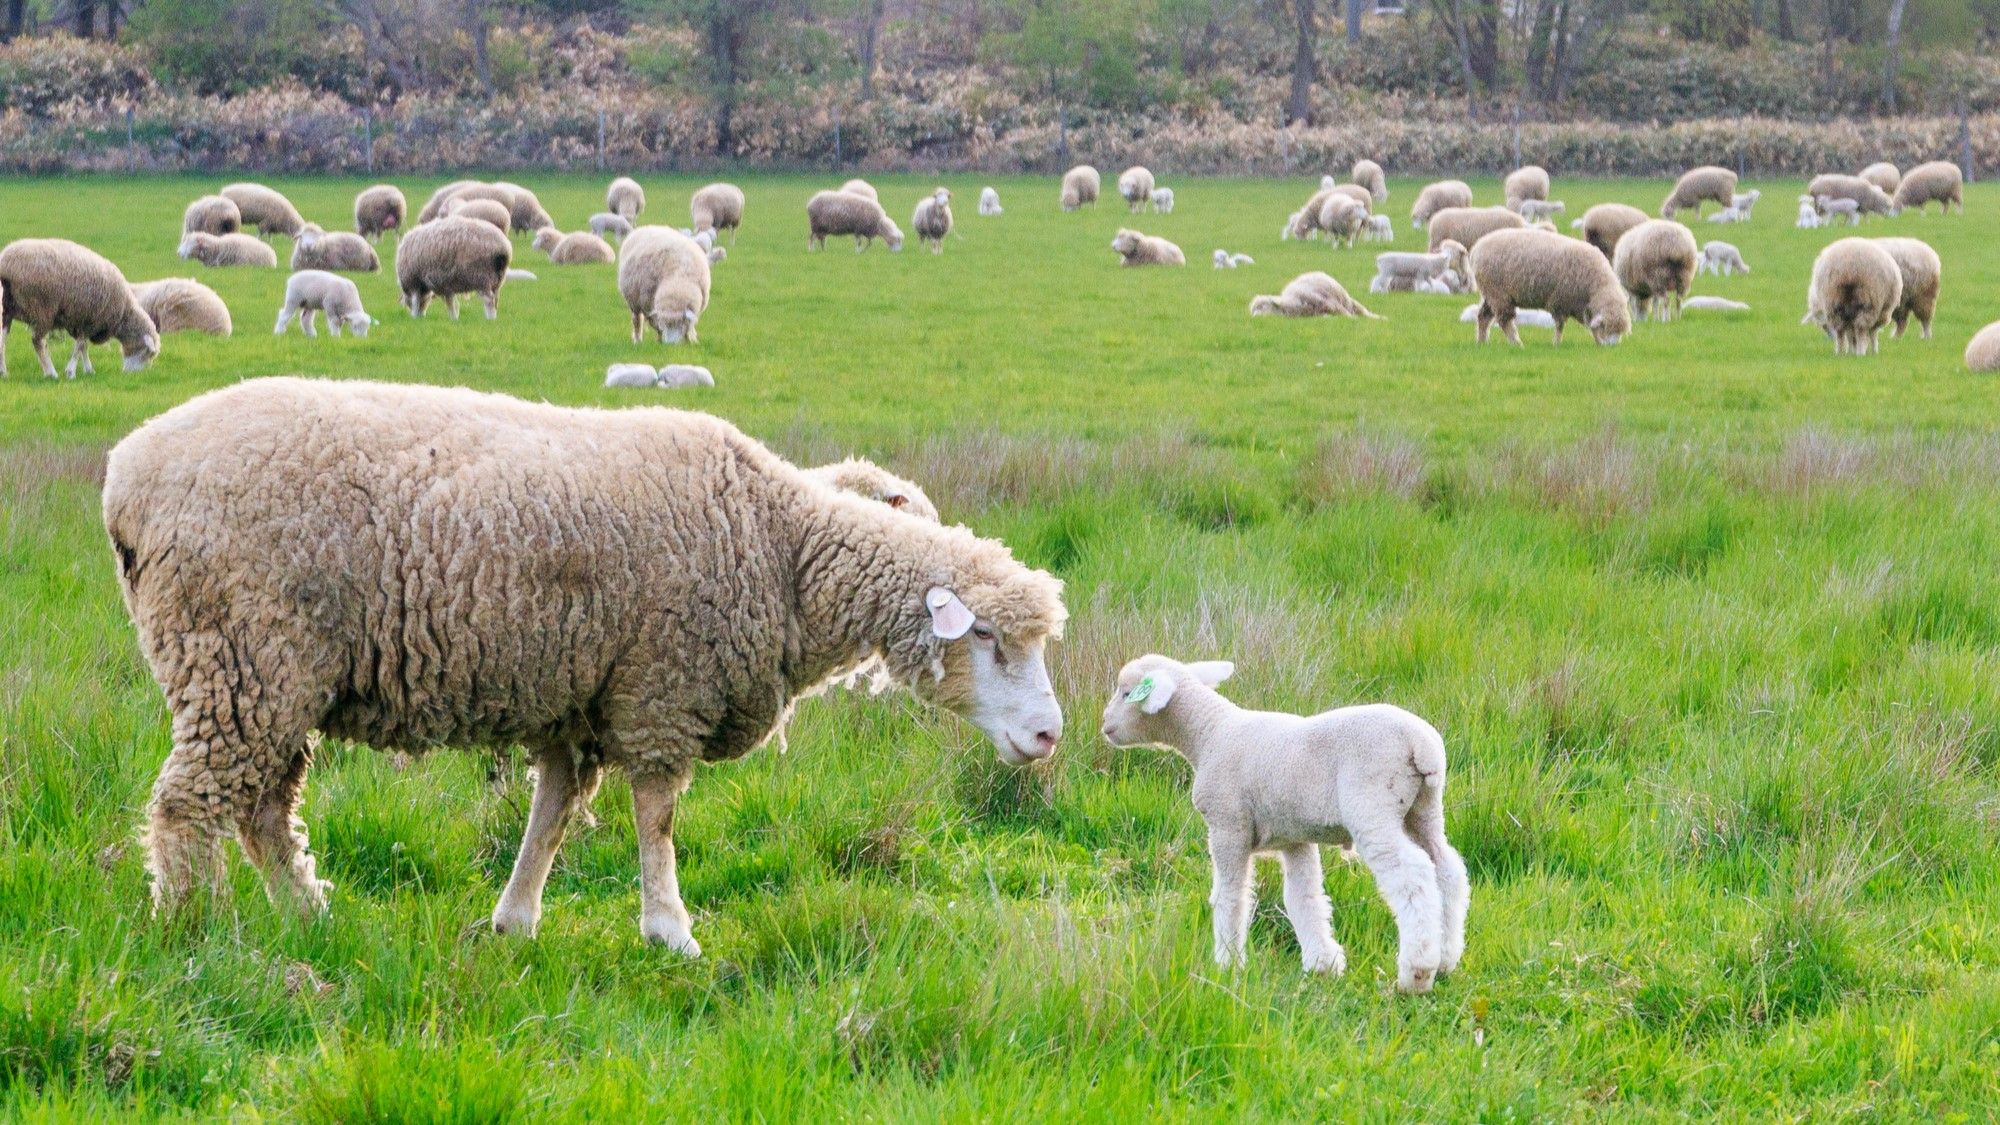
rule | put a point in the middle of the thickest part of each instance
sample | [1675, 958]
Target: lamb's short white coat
[1714, 304]
[1721, 258]
[1808, 214]
[1224, 260]
[1524, 318]
[989, 201]
[1163, 200]
[308, 292]
[1272, 783]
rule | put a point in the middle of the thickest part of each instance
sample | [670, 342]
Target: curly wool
[451, 256]
[218, 250]
[1923, 275]
[1080, 186]
[1855, 289]
[1438, 196]
[1606, 223]
[492, 212]
[579, 248]
[1135, 249]
[1656, 263]
[844, 212]
[717, 207]
[1467, 225]
[379, 210]
[181, 304]
[1311, 294]
[1368, 174]
[212, 214]
[1524, 184]
[1707, 184]
[664, 277]
[866, 478]
[265, 209]
[1135, 184]
[339, 250]
[54, 285]
[1532, 269]
[1940, 182]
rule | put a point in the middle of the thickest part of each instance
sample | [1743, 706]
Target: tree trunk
[1464, 41]
[1486, 44]
[1304, 68]
[871, 29]
[723, 45]
[1354, 21]
[86, 18]
[1785, 30]
[17, 19]
[475, 27]
[1892, 65]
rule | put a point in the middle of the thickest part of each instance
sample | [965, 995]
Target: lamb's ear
[949, 617]
[1153, 693]
[1211, 672]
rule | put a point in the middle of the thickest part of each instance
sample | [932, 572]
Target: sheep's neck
[850, 591]
[1201, 714]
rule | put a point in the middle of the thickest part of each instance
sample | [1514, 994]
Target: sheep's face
[1136, 713]
[193, 245]
[546, 239]
[1125, 242]
[997, 682]
[1610, 319]
[359, 323]
[140, 351]
[892, 235]
[676, 326]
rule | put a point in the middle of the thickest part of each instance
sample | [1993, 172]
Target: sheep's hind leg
[1229, 898]
[663, 916]
[274, 838]
[1307, 906]
[492, 299]
[519, 910]
[1408, 882]
[1425, 824]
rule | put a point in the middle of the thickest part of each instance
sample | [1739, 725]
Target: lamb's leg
[1425, 823]
[1557, 337]
[274, 838]
[285, 317]
[1229, 897]
[1408, 882]
[519, 910]
[663, 916]
[1307, 906]
[306, 317]
[1924, 321]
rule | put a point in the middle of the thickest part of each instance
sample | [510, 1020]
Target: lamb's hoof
[515, 923]
[1332, 962]
[1415, 981]
[676, 938]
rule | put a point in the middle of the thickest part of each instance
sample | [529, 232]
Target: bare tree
[1305, 65]
[475, 29]
[1892, 62]
[870, 32]
[17, 20]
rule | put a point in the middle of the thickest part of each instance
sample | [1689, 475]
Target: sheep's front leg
[1307, 906]
[520, 908]
[663, 916]
[79, 350]
[451, 305]
[41, 342]
[1485, 320]
[1229, 900]
[306, 317]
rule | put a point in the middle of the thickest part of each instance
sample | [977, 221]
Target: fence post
[131, 149]
[839, 143]
[600, 138]
[1965, 141]
[1062, 134]
[1285, 136]
[1740, 173]
[1517, 134]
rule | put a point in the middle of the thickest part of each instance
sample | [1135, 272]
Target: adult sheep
[1606, 223]
[54, 285]
[1467, 225]
[1656, 263]
[574, 249]
[492, 212]
[1524, 184]
[1079, 187]
[1982, 354]
[843, 212]
[433, 208]
[1923, 274]
[1311, 294]
[219, 250]
[524, 208]
[211, 214]
[717, 207]
[1939, 182]
[339, 250]
[865, 478]
[182, 304]
[1883, 175]
[1533, 269]
[1342, 218]
[1707, 184]
[449, 257]
[731, 587]
[1855, 290]
[265, 209]
[1135, 249]
[1868, 198]
[1135, 184]
[932, 219]
[1436, 197]
[379, 210]
[862, 188]
[664, 277]
[1368, 174]
[625, 198]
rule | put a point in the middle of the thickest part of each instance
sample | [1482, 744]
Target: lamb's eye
[983, 632]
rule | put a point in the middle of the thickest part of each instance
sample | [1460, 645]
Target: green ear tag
[1138, 694]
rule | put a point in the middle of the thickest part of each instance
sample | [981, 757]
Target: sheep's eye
[983, 632]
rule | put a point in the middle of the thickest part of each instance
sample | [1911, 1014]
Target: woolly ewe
[268, 211]
[932, 220]
[1707, 184]
[1983, 353]
[1656, 263]
[54, 285]
[1136, 185]
[1079, 187]
[181, 304]
[215, 250]
[1855, 290]
[1269, 783]
[341, 250]
[379, 210]
[1939, 181]
[843, 212]
[1135, 249]
[1368, 174]
[449, 257]
[212, 214]
[1436, 197]
[664, 277]
[1516, 269]
[1922, 274]
[718, 207]
[625, 198]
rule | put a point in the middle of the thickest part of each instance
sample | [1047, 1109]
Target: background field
[1708, 621]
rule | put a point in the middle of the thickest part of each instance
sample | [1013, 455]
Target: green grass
[1707, 620]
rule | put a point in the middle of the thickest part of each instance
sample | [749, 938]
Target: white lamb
[1378, 228]
[1714, 304]
[1808, 214]
[316, 291]
[1403, 270]
[1745, 203]
[644, 375]
[1267, 782]
[1540, 210]
[1722, 259]
[1224, 260]
[1729, 215]
[1836, 209]
[989, 201]
[1523, 318]
[1163, 200]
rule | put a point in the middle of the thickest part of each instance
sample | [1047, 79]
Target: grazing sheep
[1849, 209]
[1404, 271]
[1982, 354]
[1305, 221]
[228, 250]
[264, 209]
[1722, 259]
[1713, 304]
[932, 220]
[1467, 225]
[1883, 175]
[316, 291]
[212, 214]
[180, 304]
[1524, 185]
[1868, 199]
[1516, 269]
[54, 285]
[625, 198]
[1378, 228]
[1539, 210]
[1368, 174]
[1745, 202]
[450, 256]
[841, 212]
[1079, 187]
[861, 188]
[1368, 777]
[1135, 249]
[1923, 274]
[1355, 192]
[604, 224]
[718, 207]
[1342, 219]
[492, 212]
[525, 209]
[1697, 186]
[1436, 197]
[579, 248]
[1292, 225]
[1136, 185]
[1163, 200]
[433, 207]
[1224, 260]
[430, 567]
[866, 478]
[1311, 294]
[1523, 318]
[318, 250]
[663, 276]
[1856, 289]
[379, 210]
[1939, 181]
[1809, 217]
[989, 201]
[1656, 263]
[1606, 223]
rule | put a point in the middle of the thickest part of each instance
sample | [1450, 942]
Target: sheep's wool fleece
[425, 566]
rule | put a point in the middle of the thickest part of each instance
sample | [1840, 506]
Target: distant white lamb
[1528, 318]
[1272, 783]
[1409, 269]
[989, 201]
[1721, 259]
[1163, 200]
[1808, 214]
[1713, 304]
[316, 291]
[1378, 228]
[1729, 215]
[1539, 210]
[1224, 260]
[1837, 209]
[1745, 203]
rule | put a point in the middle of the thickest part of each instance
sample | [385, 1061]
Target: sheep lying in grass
[1404, 270]
[604, 224]
[1729, 215]
[1135, 249]
[316, 291]
[1163, 200]
[1371, 777]
[54, 285]
[1539, 210]
[1923, 274]
[672, 376]
[989, 201]
[1368, 174]
[1707, 184]
[182, 304]
[1940, 182]
[379, 210]
[1311, 294]
[1722, 259]
[1982, 354]
[576, 248]
[1079, 187]
[1517, 269]
[1656, 263]
[1809, 217]
[1713, 304]
[228, 250]
[316, 249]
[1436, 197]
[1224, 260]
[1136, 185]
[1856, 288]
[1523, 318]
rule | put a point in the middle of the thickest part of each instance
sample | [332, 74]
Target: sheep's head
[1126, 242]
[892, 234]
[198, 246]
[138, 338]
[986, 633]
[1610, 315]
[1136, 713]
[359, 323]
[942, 195]
[1263, 306]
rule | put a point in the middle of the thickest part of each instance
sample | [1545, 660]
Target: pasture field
[1709, 622]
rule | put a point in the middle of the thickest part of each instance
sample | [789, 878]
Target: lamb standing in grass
[55, 285]
[1722, 259]
[1707, 184]
[1163, 200]
[1368, 174]
[989, 201]
[1539, 210]
[1436, 197]
[1136, 185]
[1406, 271]
[664, 277]
[316, 291]
[1516, 269]
[1856, 288]
[1224, 260]
[228, 250]
[379, 210]
[1982, 354]
[1656, 263]
[1079, 187]
[1311, 294]
[181, 304]
[842, 212]
[451, 256]
[717, 207]
[1744, 203]
[1923, 274]
[431, 567]
[932, 220]
[1266, 782]
[1137, 249]
[264, 209]
[625, 198]
[1940, 182]
[1378, 228]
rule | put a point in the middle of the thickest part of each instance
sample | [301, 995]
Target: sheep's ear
[1212, 672]
[949, 617]
[1153, 693]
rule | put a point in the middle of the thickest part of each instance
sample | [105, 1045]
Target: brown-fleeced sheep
[265, 209]
[1923, 276]
[1656, 263]
[1939, 182]
[1436, 197]
[212, 214]
[1467, 225]
[1135, 249]
[451, 256]
[1855, 289]
[54, 285]
[1707, 184]
[1533, 269]
[843, 212]
[1311, 294]
[182, 304]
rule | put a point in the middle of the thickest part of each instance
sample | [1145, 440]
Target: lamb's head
[1610, 314]
[309, 234]
[359, 322]
[1126, 242]
[676, 306]
[1454, 255]
[986, 635]
[1136, 712]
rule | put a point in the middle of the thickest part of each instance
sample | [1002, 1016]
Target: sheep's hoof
[515, 922]
[1332, 962]
[676, 938]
